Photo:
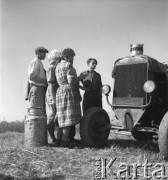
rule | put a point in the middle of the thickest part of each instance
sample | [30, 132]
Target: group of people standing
[56, 92]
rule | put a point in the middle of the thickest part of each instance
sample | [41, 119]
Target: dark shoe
[55, 143]
[76, 141]
[65, 144]
[54, 140]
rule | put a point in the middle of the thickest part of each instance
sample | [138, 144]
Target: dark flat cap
[41, 49]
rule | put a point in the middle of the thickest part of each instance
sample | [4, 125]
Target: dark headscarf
[67, 52]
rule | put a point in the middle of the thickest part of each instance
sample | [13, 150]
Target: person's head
[136, 49]
[92, 63]
[54, 56]
[41, 52]
[68, 54]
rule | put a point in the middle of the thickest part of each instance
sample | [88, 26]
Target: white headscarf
[54, 55]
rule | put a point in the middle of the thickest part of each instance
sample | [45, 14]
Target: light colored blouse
[36, 73]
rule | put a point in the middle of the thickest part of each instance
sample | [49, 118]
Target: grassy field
[78, 162]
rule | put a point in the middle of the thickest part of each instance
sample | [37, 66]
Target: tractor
[139, 103]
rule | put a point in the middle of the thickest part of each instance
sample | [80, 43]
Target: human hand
[26, 98]
[83, 75]
[52, 102]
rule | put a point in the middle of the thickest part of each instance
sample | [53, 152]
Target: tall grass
[14, 126]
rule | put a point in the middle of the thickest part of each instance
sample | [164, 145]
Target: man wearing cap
[136, 49]
[37, 80]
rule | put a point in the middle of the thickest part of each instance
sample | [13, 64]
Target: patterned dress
[68, 96]
[51, 80]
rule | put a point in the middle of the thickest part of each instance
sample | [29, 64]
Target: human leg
[58, 133]
[72, 133]
[50, 111]
[65, 133]
[51, 129]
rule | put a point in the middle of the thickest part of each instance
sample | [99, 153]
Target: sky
[101, 29]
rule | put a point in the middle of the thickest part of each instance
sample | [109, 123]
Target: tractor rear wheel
[163, 137]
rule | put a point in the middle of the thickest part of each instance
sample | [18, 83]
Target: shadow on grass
[55, 177]
[123, 143]
[127, 143]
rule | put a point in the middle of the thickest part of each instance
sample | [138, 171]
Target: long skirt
[92, 99]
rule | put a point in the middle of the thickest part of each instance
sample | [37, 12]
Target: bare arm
[73, 79]
[51, 89]
[27, 91]
[51, 79]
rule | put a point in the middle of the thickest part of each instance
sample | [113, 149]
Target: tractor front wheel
[95, 127]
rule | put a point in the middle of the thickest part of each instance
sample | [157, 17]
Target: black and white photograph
[83, 89]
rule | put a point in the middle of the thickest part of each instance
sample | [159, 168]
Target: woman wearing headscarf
[53, 57]
[68, 97]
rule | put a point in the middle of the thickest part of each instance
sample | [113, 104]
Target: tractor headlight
[149, 86]
[106, 89]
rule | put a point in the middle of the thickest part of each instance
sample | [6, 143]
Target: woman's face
[92, 64]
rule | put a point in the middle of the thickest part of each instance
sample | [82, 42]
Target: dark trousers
[92, 99]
